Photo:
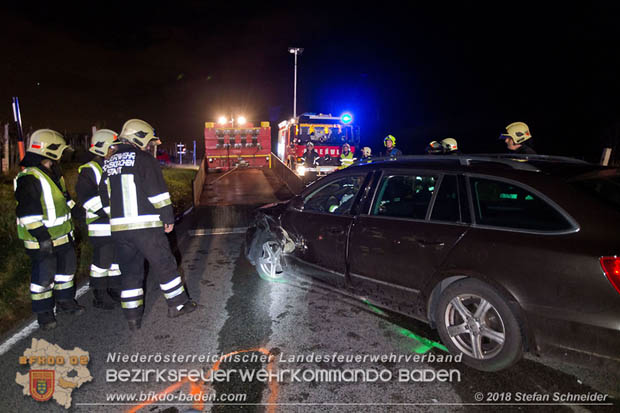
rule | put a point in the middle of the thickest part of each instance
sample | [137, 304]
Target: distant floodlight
[241, 120]
[222, 120]
[346, 118]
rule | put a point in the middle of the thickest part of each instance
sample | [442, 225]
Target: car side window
[446, 206]
[404, 196]
[336, 197]
[502, 204]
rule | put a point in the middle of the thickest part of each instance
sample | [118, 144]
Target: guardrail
[290, 178]
[199, 181]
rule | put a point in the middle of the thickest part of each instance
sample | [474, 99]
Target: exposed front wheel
[474, 319]
[269, 263]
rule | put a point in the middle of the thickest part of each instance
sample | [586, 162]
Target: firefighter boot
[188, 307]
[115, 294]
[70, 307]
[46, 320]
[102, 301]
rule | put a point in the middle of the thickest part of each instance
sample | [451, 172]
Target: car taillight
[611, 268]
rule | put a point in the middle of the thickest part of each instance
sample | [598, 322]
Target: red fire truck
[244, 145]
[327, 132]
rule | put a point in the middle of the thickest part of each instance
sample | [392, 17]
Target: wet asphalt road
[240, 312]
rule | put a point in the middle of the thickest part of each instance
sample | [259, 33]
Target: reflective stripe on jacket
[56, 211]
[346, 160]
[88, 193]
[134, 189]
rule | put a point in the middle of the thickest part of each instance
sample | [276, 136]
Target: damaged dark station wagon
[503, 254]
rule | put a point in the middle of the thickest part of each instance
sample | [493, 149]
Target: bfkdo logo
[41, 384]
[54, 372]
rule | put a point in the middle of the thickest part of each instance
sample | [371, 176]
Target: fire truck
[227, 147]
[327, 132]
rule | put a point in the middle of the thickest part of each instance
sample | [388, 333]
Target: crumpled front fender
[264, 228]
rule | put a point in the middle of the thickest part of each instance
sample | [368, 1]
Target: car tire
[269, 260]
[475, 319]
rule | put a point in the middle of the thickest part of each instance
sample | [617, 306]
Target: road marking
[217, 231]
[30, 328]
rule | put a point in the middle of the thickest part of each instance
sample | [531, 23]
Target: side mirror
[297, 203]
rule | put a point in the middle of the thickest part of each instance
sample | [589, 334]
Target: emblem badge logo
[41, 384]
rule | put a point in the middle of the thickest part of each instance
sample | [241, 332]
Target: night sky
[419, 72]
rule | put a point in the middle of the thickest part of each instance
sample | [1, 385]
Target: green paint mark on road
[374, 309]
[423, 344]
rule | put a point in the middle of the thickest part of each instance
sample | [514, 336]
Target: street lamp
[296, 51]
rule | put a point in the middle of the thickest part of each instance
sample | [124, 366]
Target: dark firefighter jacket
[87, 188]
[134, 192]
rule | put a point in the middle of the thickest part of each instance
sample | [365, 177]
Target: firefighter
[390, 144]
[450, 146]
[434, 148]
[310, 157]
[104, 272]
[366, 154]
[346, 156]
[515, 138]
[44, 224]
[140, 209]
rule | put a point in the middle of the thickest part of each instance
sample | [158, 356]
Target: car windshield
[328, 134]
[604, 186]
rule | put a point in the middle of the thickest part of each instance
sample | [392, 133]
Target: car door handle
[335, 230]
[426, 243]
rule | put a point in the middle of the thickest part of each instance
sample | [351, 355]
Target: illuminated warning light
[346, 118]
[611, 267]
[33, 146]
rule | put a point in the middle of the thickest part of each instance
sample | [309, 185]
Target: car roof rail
[464, 160]
[533, 157]
[514, 161]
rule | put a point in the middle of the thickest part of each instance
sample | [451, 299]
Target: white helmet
[138, 132]
[48, 143]
[101, 141]
[449, 145]
[434, 148]
[518, 131]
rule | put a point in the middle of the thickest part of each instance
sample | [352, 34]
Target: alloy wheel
[475, 326]
[270, 259]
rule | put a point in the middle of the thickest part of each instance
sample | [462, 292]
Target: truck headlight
[301, 170]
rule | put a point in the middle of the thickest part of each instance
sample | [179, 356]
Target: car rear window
[606, 188]
[502, 204]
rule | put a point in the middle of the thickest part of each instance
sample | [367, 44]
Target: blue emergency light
[346, 118]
